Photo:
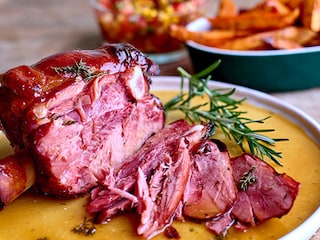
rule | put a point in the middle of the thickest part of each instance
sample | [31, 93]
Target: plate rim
[260, 99]
[255, 97]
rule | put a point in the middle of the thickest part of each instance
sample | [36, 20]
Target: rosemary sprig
[223, 111]
[79, 69]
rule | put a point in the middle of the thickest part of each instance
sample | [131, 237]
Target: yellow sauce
[33, 217]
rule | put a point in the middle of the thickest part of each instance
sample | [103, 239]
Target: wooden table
[33, 29]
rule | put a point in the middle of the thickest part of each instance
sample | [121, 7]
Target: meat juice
[36, 217]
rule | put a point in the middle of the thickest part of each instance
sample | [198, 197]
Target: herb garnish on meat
[223, 111]
[79, 69]
[247, 179]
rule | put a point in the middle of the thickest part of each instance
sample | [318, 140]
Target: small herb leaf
[247, 179]
[86, 228]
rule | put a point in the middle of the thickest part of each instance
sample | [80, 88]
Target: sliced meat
[81, 114]
[263, 193]
[211, 189]
[104, 198]
[220, 224]
[156, 150]
[159, 195]
[243, 210]
[251, 191]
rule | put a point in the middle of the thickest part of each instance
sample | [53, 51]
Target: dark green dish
[266, 70]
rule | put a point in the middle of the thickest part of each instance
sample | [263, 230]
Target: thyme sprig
[247, 179]
[222, 109]
[86, 228]
[78, 69]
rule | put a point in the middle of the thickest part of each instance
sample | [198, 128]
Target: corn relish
[145, 23]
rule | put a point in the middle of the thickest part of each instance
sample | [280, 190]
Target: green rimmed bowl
[264, 70]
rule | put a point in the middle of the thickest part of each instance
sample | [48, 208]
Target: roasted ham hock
[78, 114]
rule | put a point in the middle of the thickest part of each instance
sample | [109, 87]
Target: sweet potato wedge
[310, 16]
[257, 41]
[227, 8]
[271, 24]
[271, 6]
[255, 22]
[282, 43]
[210, 38]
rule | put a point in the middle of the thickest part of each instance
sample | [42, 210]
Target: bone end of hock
[17, 174]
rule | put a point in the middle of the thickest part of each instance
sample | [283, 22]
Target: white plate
[265, 101]
[63, 215]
